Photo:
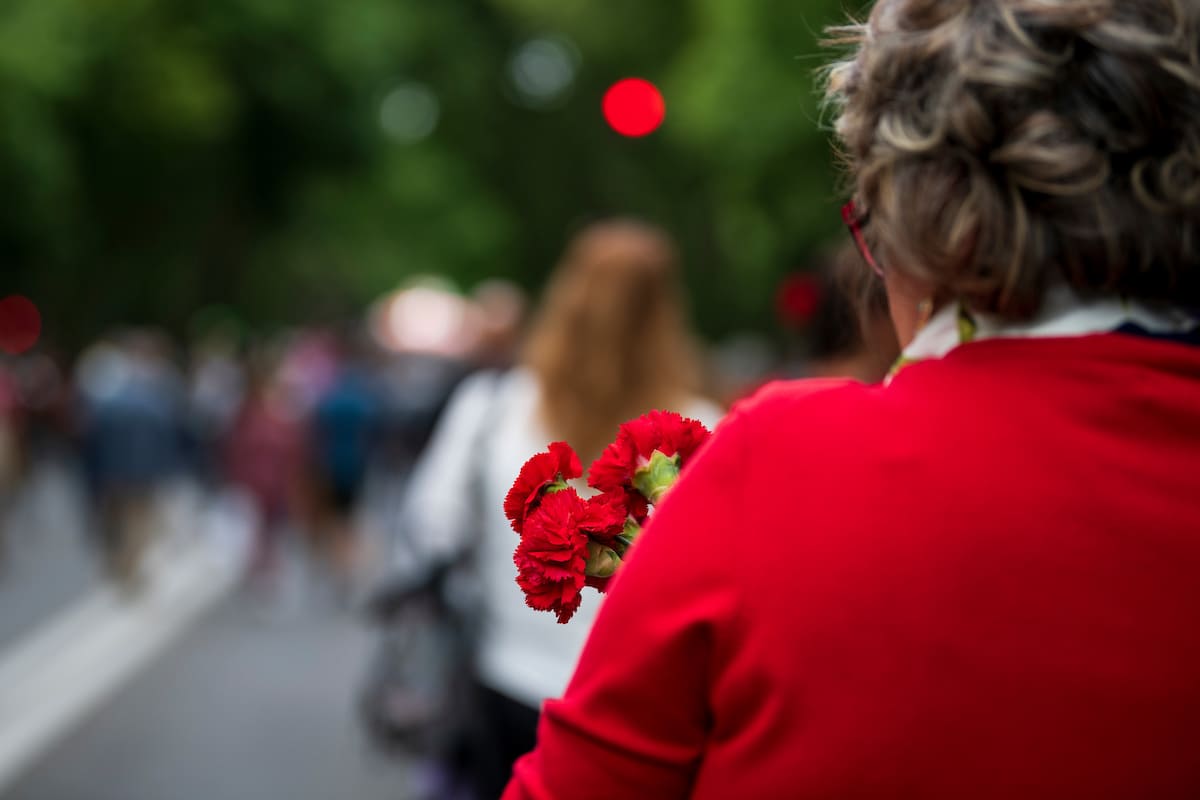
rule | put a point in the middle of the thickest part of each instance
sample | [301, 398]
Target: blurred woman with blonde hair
[608, 343]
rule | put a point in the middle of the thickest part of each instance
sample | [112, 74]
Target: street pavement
[244, 707]
[47, 560]
[201, 689]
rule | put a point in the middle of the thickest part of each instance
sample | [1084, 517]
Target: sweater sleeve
[636, 717]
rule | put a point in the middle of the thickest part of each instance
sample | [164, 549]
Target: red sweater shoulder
[978, 581]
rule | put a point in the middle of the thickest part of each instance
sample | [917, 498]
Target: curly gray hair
[1000, 145]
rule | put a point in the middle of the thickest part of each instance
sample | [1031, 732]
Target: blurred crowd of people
[296, 423]
[300, 421]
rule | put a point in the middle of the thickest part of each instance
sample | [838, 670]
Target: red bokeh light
[20, 324]
[634, 107]
[798, 298]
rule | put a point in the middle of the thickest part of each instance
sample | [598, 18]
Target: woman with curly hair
[981, 578]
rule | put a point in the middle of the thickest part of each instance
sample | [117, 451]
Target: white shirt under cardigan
[523, 654]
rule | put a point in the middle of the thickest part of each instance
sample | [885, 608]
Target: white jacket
[523, 654]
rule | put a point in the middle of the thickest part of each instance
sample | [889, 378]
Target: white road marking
[57, 674]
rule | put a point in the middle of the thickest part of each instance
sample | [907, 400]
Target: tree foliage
[161, 157]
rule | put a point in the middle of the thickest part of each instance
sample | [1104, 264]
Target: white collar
[1063, 313]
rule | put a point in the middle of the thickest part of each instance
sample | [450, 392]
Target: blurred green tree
[293, 160]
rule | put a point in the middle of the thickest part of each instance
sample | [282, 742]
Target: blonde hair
[1002, 145]
[610, 340]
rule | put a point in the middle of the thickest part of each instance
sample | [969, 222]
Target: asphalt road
[252, 701]
[243, 708]
[47, 560]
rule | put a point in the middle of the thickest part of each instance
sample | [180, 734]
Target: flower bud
[602, 561]
[656, 476]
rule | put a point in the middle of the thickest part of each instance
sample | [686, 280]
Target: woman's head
[610, 341]
[998, 146]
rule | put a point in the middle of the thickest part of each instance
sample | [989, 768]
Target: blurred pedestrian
[345, 423]
[502, 308]
[609, 342]
[838, 324]
[263, 455]
[216, 385]
[134, 442]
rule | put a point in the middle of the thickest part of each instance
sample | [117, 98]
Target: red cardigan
[980, 581]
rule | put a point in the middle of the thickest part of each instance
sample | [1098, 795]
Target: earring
[924, 312]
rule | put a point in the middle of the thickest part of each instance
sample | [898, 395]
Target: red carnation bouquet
[569, 542]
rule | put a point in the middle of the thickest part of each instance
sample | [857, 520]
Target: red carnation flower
[637, 440]
[599, 584]
[613, 470]
[553, 553]
[639, 506]
[567, 542]
[668, 433]
[539, 474]
[605, 516]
